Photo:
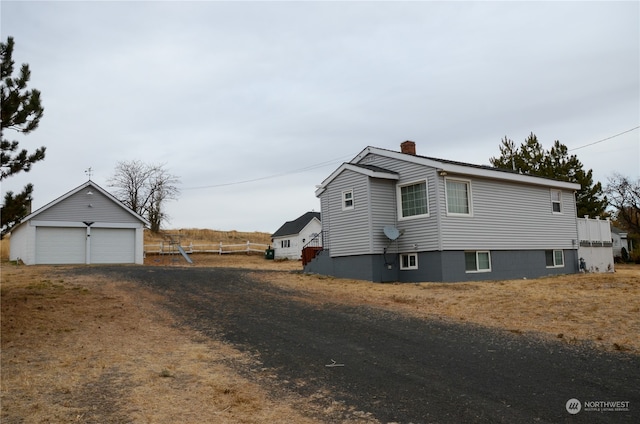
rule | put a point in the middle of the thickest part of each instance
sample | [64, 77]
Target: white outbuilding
[87, 225]
[292, 236]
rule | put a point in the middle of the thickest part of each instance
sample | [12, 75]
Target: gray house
[398, 216]
[87, 225]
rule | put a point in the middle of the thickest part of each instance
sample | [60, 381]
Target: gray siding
[383, 194]
[421, 232]
[350, 229]
[76, 209]
[509, 216]
[446, 266]
[505, 216]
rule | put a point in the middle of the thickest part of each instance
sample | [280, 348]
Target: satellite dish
[391, 232]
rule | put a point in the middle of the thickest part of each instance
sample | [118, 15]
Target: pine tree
[21, 110]
[532, 159]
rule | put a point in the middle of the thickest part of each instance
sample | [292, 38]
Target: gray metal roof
[295, 226]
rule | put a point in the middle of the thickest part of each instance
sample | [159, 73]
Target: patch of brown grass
[207, 236]
[94, 350]
[601, 309]
[4, 249]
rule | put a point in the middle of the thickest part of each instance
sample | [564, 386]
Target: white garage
[85, 226]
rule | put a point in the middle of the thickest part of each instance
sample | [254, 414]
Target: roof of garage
[91, 186]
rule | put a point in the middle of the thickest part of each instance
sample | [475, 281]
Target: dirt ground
[79, 349]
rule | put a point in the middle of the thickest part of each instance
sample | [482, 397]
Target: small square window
[285, 243]
[477, 261]
[554, 258]
[347, 200]
[409, 261]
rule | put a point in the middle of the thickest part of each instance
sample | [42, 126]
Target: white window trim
[399, 199]
[476, 253]
[551, 192]
[553, 255]
[344, 200]
[446, 197]
[403, 268]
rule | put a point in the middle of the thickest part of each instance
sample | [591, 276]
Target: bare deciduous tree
[624, 196]
[145, 188]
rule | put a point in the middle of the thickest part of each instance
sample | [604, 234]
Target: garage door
[60, 245]
[113, 245]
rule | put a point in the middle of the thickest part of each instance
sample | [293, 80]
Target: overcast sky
[281, 93]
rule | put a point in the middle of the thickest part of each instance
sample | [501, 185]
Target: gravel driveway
[391, 367]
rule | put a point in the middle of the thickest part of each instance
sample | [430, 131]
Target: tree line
[145, 188]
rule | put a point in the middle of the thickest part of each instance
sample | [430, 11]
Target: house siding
[506, 217]
[76, 208]
[350, 229]
[446, 266]
[511, 216]
[382, 193]
[422, 232]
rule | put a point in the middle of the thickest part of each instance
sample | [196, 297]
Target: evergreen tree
[532, 159]
[21, 111]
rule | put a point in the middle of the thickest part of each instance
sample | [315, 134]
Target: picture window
[413, 200]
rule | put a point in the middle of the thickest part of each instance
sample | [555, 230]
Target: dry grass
[599, 309]
[93, 350]
[206, 236]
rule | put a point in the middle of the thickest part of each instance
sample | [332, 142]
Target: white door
[58, 245]
[113, 245]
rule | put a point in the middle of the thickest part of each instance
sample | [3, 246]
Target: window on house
[285, 243]
[554, 258]
[413, 199]
[556, 201]
[479, 261]
[409, 261]
[458, 197]
[347, 200]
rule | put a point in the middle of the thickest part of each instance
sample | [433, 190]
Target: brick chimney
[408, 147]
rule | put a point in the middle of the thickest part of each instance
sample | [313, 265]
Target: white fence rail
[164, 248]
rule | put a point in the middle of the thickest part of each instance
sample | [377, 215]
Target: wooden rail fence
[166, 248]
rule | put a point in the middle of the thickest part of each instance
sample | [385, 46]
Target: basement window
[479, 261]
[554, 258]
[409, 261]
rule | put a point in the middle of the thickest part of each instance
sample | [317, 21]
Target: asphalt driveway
[395, 368]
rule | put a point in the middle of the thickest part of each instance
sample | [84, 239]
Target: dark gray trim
[448, 266]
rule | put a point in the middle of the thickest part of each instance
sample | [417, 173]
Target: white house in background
[87, 225]
[620, 241]
[399, 216]
[291, 237]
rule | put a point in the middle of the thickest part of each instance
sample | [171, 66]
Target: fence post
[248, 246]
[220, 249]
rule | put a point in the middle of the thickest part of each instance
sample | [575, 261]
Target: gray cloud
[226, 92]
